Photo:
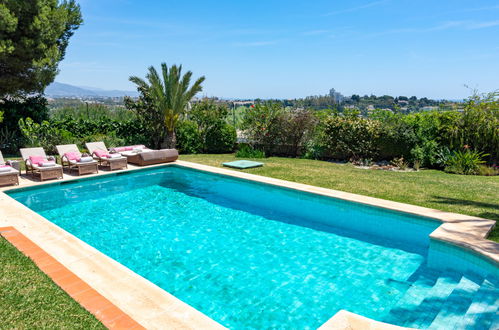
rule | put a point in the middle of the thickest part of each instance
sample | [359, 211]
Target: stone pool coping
[153, 307]
[106, 312]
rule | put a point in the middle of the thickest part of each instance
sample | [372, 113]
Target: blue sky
[288, 49]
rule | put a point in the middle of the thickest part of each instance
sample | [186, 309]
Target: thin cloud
[254, 43]
[482, 25]
[466, 25]
[481, 9]
[315, 32]
[463, 25]
[357, 8]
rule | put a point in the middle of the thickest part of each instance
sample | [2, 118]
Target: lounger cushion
[4, 169]
[121, 149]
[101, 153]
[37, 159]
[46, 164]
[10, 172]
[48, 168]
[74, 162]
[86, 159]
[72, 155]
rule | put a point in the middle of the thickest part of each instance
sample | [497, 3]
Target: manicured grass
[30, 300]
[472, 195]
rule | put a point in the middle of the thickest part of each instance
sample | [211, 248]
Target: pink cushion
[120, 149]
[37, 159]
[5, 166]
[73, 155]
[139, 146]
[128, 148]
[101, 153]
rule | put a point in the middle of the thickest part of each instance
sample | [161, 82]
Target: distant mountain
[57, 89]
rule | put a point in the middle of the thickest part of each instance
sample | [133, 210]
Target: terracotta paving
[111, 316]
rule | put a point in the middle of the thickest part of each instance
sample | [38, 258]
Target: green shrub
[44, 135]
[397, 137]
[400, 163]
[208, 130]
[315, 148]
[315, 145]
[296, 127]
[263, 126]
[11, 137]
[426, 154]
[188, 137]
[247, 151]
[416, 165]
[129, 132]
[478, 125]
[488, 170]
[110, 139]
[351, 137]
[220, 138]
[465, 162]
[443, 155]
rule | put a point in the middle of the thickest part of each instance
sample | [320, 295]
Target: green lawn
[473, 195]
[30, 300]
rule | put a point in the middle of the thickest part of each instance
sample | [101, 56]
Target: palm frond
[170, 90]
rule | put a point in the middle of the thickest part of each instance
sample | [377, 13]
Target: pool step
[448, 302]
[407, 308]
[456, 305]
[431, 305]
[483, 310]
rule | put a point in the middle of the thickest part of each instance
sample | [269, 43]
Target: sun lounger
[128, 150]
[153, 157]
[36, 163]
[72, 159]
[100, 153]
[8, 174]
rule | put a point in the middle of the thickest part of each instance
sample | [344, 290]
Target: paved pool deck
[154, 308]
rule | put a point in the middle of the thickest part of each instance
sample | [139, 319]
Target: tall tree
[170, 94]
[34, 35]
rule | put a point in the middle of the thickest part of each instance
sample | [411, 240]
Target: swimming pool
[257, 256]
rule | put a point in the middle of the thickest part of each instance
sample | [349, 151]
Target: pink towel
[73, 156]
[139, 146]
[101, 154]
[37, 159]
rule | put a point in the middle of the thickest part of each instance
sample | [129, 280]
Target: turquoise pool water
[251, 255]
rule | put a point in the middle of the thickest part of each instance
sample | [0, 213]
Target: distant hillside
[57, 89]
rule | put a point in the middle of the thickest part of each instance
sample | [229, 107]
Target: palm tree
[170, 95]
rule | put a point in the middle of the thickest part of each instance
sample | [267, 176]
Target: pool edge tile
[58, 275]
